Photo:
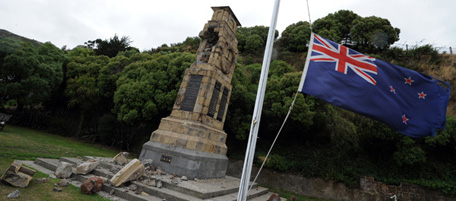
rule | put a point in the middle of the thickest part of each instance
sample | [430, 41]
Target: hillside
[6, 34]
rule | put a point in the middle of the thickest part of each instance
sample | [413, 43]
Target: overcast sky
[151, 23]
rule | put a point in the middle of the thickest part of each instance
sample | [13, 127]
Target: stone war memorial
[191, 140]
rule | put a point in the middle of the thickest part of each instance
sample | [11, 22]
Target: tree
[82, 85]
[147, 89]
[336, 27]
[30, 74]
[110, 47]
[295, 38]
[366, 34]
[373, 33]
[253, 39]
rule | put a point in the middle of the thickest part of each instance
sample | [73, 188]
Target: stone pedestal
[191, 141]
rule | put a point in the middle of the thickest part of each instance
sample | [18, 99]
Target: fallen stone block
[91, 185]
[64, 170]
[121, 158]
[132, 171]
[17, 175]
[86, 167]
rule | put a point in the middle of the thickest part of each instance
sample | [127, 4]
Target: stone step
[204, 189]
[254, 193]
[192, 190]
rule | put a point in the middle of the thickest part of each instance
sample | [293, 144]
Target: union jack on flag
[412, 103]
[344, 58]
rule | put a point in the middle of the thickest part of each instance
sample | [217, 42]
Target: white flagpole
[250, 152]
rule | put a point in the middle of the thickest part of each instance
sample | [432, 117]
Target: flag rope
[277, 136]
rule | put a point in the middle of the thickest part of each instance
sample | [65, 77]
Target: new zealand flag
[410, 102]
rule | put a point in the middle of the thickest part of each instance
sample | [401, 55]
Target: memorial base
[184, 162]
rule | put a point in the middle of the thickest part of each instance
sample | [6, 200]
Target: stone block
[17, 175]
[121, 158]
[132, 171]
[64, 170]
[87, 166]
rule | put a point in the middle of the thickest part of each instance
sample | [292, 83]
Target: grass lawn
[27, 144]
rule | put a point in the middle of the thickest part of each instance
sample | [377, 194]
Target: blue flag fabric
[412, 103]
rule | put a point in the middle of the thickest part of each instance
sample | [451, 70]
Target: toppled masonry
[18, 175]
[152, 185]
[132, 171]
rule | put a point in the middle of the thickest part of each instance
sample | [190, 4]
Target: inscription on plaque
[214, 99]
[221, 111]
[165, 158]
[191, 93]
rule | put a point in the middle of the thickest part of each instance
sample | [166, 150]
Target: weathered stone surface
[18, 176]
[184, 178]
[121, 158]
[14, 194]
[91, 185]
[159, 184]
[132, 171]
[86, 167]
[64, 170]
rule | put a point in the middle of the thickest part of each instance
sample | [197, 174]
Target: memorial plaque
[214, 99]
[223, 102]
[191, 93]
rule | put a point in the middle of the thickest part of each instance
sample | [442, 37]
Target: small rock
[153, 183]
[293, 198]
[14, 194]
[175, 181]
[184, 178]
[138, 191]
[64, 170]
[144, 194]
[147, 162]
[111, 192]
[57, 189]
[63, 183]
[114, 169]
[133, 187]
[159, 184]
[121, 158]
[91, 185]
[274, 197]
[160, 172]
[43, 180]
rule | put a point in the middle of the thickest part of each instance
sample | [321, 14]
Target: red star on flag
[422, 95]
[392, 89]
[404, 119]
[408, 80]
